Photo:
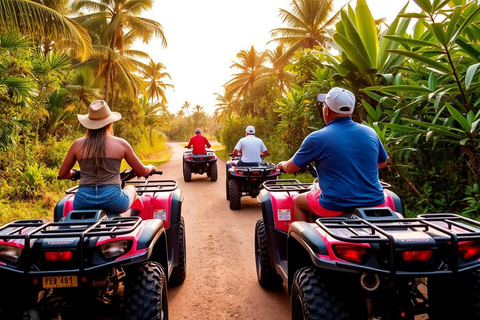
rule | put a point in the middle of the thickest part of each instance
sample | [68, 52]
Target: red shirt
[198, 142]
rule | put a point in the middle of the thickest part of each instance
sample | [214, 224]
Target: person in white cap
[198, 143]
[99, 155]
[347, 157]
[250, 148]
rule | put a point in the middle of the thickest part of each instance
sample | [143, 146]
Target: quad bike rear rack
[283, 185]
[153, 185]
[70, 228]
[143, 186]
[449, 228]
[254, 172]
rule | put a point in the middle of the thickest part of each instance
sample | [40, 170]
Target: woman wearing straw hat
[99, 155]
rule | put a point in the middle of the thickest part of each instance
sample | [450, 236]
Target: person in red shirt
[199, 143]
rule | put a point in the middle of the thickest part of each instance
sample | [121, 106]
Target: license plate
[60, 282]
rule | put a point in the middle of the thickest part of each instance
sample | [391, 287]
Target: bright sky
[205, 36]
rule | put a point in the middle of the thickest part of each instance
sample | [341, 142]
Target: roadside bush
[234, 130]
[30, 182]
[52, 151]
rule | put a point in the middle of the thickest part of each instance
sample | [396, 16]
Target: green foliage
[30, 182]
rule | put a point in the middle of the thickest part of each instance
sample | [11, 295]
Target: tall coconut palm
[185, 107]
[252, 71]
[278, 72]
[120, 24]
[198, 114]
[153, 75]
[307, 24]
[151, 114]
[224, 106]
[84, 88]
[38, 20]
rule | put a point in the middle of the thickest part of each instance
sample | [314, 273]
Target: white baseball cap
[340, 100]
[250, 129]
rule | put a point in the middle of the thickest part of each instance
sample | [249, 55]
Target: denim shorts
[109, 197]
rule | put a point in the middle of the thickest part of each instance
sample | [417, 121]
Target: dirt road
[221, 280]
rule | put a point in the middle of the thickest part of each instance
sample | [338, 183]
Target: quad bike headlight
[115, 248]
[10, 253]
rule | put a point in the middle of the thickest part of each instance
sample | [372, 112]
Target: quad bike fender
[393, 201]
[173, 231]
[305, 247]
[153, 239]
[277, 211]
[63, 207]
[165, 206]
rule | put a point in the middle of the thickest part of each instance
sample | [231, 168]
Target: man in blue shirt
[347, 156]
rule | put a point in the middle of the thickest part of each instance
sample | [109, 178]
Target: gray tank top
[109, 175]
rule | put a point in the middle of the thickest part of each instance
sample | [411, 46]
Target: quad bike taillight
[58, 255]
[352, 253]
[417, 255]
[239, 172]
[469, 250]
[115, 248]
[10, 253]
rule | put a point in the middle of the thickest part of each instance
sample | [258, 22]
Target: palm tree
[278, 72]
[156, 87]
[252, 71]
[307, 26]
[151, 114]
[225, 107]
[185, 107]
[84, 87]
[197, 115]
[117, 24]
[40, 21]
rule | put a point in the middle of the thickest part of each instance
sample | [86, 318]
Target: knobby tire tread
[146, 293]
[179, 272]
[266, 274]
[235, 189]
[315, 298]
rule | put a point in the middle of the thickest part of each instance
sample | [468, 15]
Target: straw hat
[99, 115]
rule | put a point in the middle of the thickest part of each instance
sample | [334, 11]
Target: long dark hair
[94, 146]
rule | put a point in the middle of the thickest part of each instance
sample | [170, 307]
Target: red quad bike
[199, 164]
[92, 263]
[246, 181]
[369, 263]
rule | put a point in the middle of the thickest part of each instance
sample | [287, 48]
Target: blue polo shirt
[346, 156]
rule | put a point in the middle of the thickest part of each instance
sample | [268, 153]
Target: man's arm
[264, 153]
[288, 166]
[207, 143]
[235, 152]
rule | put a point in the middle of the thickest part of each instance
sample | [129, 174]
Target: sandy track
[221, 279]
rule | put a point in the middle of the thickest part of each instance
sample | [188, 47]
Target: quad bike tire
[146, 293]
[227, 189]
[235, 193]
[179, 272]
[454, 298]
[213, 171]
[187, 172]
[266, 274]
[313, 298]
